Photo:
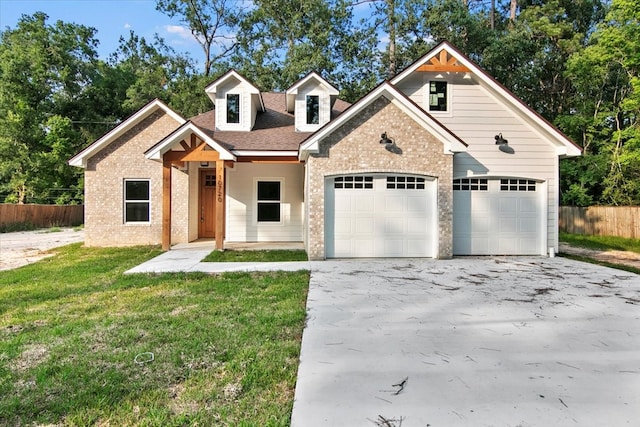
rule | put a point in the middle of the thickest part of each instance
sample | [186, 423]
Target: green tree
[212, 24]
[45, 71]
[607, 106]
[280, 41]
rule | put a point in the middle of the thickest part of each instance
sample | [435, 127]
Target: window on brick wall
[137, 201]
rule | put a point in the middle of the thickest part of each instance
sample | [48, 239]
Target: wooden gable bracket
[443, 62]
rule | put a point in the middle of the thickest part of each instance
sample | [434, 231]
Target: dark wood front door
[207, 212]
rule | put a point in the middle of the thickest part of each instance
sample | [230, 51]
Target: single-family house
[439, 161]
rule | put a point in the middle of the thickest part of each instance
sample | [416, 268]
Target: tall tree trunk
[391, 18]
[513, 6]
[493, 14]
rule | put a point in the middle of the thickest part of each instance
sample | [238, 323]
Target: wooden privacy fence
[42, 215]
[621, 221]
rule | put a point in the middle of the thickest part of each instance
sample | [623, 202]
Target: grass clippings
[225, 348]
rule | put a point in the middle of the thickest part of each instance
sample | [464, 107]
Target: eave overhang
[451, 142]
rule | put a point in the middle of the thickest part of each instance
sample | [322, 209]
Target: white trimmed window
[438, 95]
[233, 108]
[313, 109]
[137, 201]
[269, 198]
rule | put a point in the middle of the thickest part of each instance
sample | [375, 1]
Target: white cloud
[127, 26]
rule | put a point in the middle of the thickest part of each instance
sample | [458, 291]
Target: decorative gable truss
[444, 62]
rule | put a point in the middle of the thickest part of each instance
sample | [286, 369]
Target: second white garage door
[498, 217]
[378, 215]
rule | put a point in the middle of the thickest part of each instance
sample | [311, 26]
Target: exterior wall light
[384, 139]
[500, 140]
[204, 164]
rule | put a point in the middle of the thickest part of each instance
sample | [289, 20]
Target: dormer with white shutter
[311, 100]
[237, 102]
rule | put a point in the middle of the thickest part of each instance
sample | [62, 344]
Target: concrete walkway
[188, 258]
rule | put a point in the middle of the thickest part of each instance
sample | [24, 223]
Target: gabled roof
[450, 141]
[80, 159]
[274, 128]
[212, 88]
[446, 58]
[293, 90]
[157, 151]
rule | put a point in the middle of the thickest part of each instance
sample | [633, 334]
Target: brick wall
[104, 188]
[355, 148]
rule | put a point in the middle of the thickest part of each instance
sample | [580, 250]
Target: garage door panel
[395, 217]
[498, 217]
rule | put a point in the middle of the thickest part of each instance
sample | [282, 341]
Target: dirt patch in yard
[26, 247]
[630, 259]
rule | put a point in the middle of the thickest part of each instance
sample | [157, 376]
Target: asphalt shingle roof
[273, 131]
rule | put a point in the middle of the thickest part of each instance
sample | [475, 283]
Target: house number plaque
[219, 188]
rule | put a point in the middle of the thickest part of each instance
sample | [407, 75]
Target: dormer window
[233, 108]
[313, 109]
[437, 96]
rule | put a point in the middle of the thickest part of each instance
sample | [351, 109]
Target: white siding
[311, 88]
[248, 106]
[476, 116]
[242, 225]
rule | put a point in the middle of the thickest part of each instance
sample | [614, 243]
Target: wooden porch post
[166, 205]
[220, 195]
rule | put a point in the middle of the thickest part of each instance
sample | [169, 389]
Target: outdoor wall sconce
[500, 140]
[204, 164]
[385, 139]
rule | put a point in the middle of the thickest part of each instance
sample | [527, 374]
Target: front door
[207, 212]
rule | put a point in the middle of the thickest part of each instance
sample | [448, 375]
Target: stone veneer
[355, 148]
[104, 187]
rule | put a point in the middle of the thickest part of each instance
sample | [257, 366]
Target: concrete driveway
[470, 342]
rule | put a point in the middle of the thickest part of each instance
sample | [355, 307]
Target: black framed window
[233, 108]
[269, 198]
[313, 109]
[437, 96]
[137, 201]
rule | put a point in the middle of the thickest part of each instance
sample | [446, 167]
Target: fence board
[621, 221]
[42, 215]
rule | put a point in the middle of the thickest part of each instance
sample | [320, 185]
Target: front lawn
[225, 348]
[604, 243]
[267, 255]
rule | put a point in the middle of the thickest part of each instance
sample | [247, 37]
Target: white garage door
[498, 217]
[380, 216]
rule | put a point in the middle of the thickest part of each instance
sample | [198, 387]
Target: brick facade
[354, 148]
[104, 188]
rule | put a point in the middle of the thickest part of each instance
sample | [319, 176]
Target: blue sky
[112, 19]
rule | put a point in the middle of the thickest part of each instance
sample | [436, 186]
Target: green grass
[226, 347]
[622, 267]
[277, 255]
[601, 242]
[12, 227]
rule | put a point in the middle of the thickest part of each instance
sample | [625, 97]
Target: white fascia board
[450, 142]
[290, 94]
[240, 153]
[80, 159]
[212, 88]
[563, 145]
[180, 134]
